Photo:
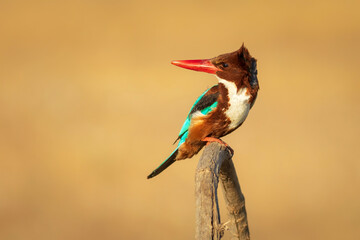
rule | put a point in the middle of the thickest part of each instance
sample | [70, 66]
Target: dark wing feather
[204, 104]
[206, 101]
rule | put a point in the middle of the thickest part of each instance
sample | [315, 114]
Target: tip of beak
[175, 62]
[182, 63]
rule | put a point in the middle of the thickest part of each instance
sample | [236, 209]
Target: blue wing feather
[185, 127]
[186, 124]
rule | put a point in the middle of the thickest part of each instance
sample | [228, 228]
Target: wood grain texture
[215, 164]
[235, 200]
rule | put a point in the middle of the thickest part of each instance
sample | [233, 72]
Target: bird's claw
[211, 139]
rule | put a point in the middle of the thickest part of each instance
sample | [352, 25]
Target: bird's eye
[224, 65]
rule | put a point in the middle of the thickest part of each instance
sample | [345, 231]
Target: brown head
[238, 67]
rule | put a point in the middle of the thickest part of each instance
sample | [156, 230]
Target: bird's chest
[238, 105]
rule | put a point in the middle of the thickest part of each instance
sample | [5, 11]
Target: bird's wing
[203, 105]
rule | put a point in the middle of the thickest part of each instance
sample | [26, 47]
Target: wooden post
[216, 163]
[235, 200]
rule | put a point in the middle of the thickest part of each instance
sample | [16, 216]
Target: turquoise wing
[205, 104]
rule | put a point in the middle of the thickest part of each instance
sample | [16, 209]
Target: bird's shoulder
[206, 101]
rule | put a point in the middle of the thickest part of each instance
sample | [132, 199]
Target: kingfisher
[220, 109]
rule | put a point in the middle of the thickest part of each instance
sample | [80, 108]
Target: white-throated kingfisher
[219, 110]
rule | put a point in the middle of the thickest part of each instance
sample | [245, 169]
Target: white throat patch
[239, 103]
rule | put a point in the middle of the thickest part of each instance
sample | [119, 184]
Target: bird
[222, 108]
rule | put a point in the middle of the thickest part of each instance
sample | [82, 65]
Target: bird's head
[238, 67]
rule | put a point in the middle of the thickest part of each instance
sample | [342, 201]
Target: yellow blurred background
[90, 105]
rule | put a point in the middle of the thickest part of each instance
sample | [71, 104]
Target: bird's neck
[229, 89]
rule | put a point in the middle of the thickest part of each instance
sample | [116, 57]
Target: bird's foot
[211, 139]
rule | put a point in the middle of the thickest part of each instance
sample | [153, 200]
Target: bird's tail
[170, 160]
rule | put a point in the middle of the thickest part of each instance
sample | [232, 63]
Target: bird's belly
[238, 109]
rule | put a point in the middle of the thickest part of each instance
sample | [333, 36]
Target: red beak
[203, 65]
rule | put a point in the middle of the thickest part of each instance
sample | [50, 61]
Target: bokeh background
[90, 105]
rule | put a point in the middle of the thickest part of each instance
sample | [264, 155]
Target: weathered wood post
[215, 164]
